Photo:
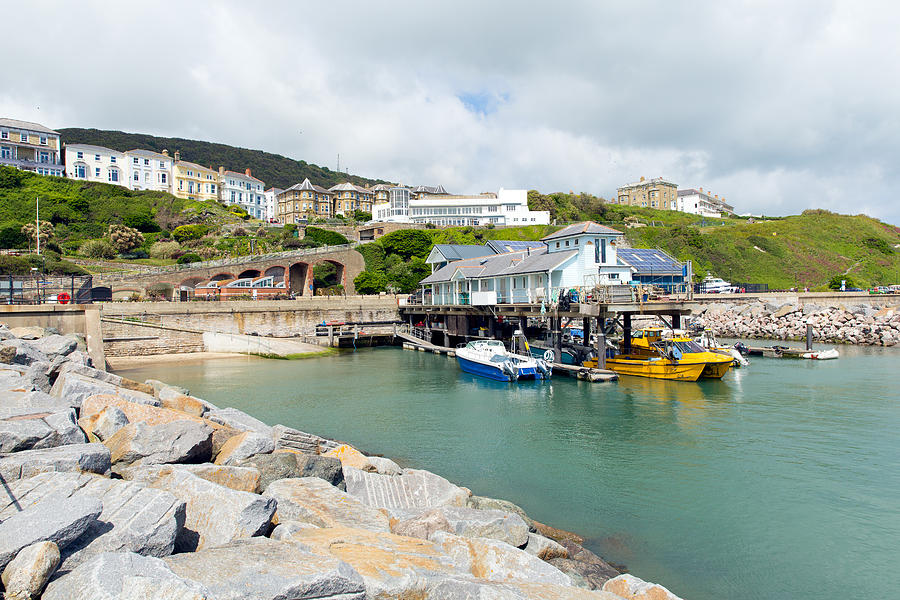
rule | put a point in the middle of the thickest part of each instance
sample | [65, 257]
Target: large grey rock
[158, 385]
[75, 387]
[214, 514]
[312, 500]
[467, 589]
[285, 529]
[485, 503]
[59, 520]
[78, 458]
[40, 431]
[240, 420]
[583, 567]
[124, 575]
[37, 376]
[412, 489]
[323, 467]
[264, 569]
[243, 446]
[422, 525]
[174, 442]
[134, 518]
[294, 439]
[242, 479]
[494, 524]
[26, 353]
[57, 345]
[27, 574]
[110, 420]
[30, 332]
[494, 560]
[272, 467]
[22, 403]
[544, 548]
[629, 586]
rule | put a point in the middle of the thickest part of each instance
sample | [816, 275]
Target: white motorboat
[829, 354]
[491, 359]
[715, 285]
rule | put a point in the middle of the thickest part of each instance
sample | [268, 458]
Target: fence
[46, 290]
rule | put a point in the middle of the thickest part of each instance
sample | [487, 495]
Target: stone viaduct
[295, 268]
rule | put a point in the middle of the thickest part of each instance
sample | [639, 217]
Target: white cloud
[776, 106]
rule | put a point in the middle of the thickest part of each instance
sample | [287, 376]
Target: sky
[775, 106]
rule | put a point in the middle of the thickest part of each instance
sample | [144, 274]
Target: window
[162, 164]
[180, 184]
[97, 172]
[137, 176]
[162, 178]
[112, 159]
[79, 154]
[23, 137]
[557, 244]
[567, 243]
[43, 140]
[96, 157]
[146, 177]
[146, 162]
[135, 160]
[114, 175]
[232, 195]
[4, 135]
[79, 171]
[5, 152]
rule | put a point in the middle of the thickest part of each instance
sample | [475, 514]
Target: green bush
[878, 244]
[13, 265]
[370, 282]
[324, 237]
[407, 243]
[164, 249]
[373, 254]
[190, 232]
[11, 235]
[296, 243]
[97, 249]
[190, 257]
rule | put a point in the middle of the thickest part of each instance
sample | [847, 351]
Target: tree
[405, 276]
[28, 230]
[11, 235]
[325, 237]
[123, 238]
[407, 243]
[370, 282]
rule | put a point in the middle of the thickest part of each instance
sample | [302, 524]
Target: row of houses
[582, 255]
[665, 195]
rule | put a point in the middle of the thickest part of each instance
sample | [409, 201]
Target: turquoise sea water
[780, 481]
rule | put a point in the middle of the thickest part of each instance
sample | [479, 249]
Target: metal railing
[224, 262]
[45, 289]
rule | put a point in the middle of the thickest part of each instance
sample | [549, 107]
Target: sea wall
[842, 323]
[116, 488]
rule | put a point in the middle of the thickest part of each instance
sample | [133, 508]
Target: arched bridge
[295, 268]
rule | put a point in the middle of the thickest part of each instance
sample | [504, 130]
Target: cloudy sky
[777, 106]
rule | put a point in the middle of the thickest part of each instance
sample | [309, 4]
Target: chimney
[642, 177]
[247, 173]
[222, 171]
[165, 152]
[701, 189]
[177, 155]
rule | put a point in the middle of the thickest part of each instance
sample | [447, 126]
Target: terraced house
[30, 147]
[149, 170]
[652, 193]
[192, 181]
[303, 202]
[243, 189]
[96, 163]
[349, 198]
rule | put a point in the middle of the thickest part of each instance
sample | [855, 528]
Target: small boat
[715, 285]
[821, 354]
[655, 367]
[491, 359]
[707, 339]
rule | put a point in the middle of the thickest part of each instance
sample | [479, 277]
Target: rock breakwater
[120, 489]
[860, 324]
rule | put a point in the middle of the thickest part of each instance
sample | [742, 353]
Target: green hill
[274, 169]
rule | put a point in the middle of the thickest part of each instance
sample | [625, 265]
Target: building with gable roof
[303, 202]
[702, 203]
[96, 163]
[583, 254]
[271, 195]
[30, 147]
[148, 170]
[649, 193]
[244, 190]
[349, 198]
[192, 181]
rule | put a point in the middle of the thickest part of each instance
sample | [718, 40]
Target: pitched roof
[501, 246]
[308, 186]
[184, 163]
[149, 153]
[522, 262]
[244, 175]
[649, 261]
[585, 227]
[93, 148]
[17, 124]
[455, 252]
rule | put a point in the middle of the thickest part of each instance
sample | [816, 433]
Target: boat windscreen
[689, 347]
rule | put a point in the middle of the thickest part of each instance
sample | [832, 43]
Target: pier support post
[808, 337]
[626, 332]
[676, 321]
[601, 349]
[586, 330]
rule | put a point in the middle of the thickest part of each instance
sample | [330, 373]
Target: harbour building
[30, 147]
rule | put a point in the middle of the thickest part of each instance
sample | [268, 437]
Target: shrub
[13, 265]
[261, 232]
[97, 249]
[28, 230]
[190, 257]
[11, 235]
[325, 237]
[123, 238]
[296, 243]
[134, 255]
[164, 249]
[190, 232]
[370, 282]
[239, 231]
[207, 252]
[407, 243]
[878, 244]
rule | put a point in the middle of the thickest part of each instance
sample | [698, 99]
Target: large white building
[271, 196]
[96, 163]
[244, 190]
[507, 207]
[698, 202]
[148, 170]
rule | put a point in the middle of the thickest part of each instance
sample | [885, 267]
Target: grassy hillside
[275, 170]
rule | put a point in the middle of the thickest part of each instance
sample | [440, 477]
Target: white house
[583, 254]
[148, 170]
[271, 198]
[698, 202]
[243, 189]
[507, 207]
[96, 163]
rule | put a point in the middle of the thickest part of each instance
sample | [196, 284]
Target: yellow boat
[676, 358]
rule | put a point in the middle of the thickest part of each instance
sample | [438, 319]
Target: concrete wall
[83, 319]
[148, 328]
[818, 298]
